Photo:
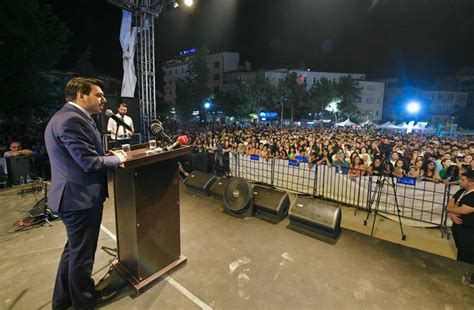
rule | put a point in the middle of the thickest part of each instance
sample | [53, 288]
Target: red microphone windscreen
[183, 140]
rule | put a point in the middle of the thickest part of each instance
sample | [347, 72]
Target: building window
[357, 100]
[461, 98]
[216, 65]
[371, 87]
[216, 89]
[450, 97]
[175, 71]
[440, 96]
[369, 100]
[216, 77]
[170, 72]
[377, 113]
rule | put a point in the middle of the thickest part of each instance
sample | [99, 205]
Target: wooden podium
[147, 215]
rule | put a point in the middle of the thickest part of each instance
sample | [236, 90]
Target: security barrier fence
[418, 200]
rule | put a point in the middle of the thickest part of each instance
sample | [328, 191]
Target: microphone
[118, 120]
[181, 140]
[156, 129]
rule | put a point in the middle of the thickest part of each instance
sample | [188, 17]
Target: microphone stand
[116, 135]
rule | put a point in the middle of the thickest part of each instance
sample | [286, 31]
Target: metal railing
[422, 201]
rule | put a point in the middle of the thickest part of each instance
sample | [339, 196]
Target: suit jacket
[78, 163]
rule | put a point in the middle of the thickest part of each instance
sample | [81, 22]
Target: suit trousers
[74, 281]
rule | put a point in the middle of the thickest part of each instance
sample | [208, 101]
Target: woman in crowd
[357, 167]
[430, 173]
[398, 170]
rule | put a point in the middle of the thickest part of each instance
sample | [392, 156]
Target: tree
[463, 115]
[257, 98]
[348, 90]
[226, 103]
[292, 94]
[193, 90]
[31, 42]
[321, 94]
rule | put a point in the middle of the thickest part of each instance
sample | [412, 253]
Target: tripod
[383, 179]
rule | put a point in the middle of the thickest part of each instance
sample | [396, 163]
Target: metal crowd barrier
[419, 200]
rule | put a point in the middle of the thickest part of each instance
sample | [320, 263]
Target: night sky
[409, 39]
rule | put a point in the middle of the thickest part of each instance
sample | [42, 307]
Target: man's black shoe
[103, 298]
[63, 305]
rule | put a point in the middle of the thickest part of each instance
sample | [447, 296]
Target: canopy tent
[367, 123]
[346, 123]
[403, 125]
[387, 125]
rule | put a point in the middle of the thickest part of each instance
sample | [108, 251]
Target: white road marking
[201, 304]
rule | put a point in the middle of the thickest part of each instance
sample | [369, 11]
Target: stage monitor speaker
[199, 161]
[238, 198]
[200, 182]
[315, 217]
[270, 205]
[19, 166]
[133, 110]
[217, 189]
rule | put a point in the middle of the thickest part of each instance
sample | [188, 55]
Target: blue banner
[293, 163]
[255, 157]
[407, 181]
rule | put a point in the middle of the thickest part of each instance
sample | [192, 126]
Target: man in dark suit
[78, 189]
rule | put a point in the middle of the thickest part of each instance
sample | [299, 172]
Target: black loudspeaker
[200, 182]
[238, 198]
[199, 161]
[270, 205]
[217, 189]
[19, 166]
[133, 110]
[316, 218]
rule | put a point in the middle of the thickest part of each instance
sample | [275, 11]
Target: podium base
[140, 285]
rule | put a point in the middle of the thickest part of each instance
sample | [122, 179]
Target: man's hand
[120, 154]
[456, 218]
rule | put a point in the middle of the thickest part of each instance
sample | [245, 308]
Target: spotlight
[188, 3]
[413, 107]
[207, 105]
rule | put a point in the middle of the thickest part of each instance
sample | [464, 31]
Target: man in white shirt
[123, 135]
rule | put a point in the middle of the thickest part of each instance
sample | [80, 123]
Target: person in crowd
[78, 190]
[452, 175]
[461, 211]
[414, 172]
[118, 132]
[445, 163]
[341, 164]
[324, 158]
[15, 150]
[398, 169]
[357, 167]
[430, 173]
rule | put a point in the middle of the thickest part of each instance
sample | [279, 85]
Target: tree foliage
[348, 90]
[193, 90]
[321, 93]
[257, 98]
[32, 41]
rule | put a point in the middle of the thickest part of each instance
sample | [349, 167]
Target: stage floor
[247, 264]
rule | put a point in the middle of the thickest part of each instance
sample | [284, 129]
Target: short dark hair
[469, 175]
[123, 105]
[80, 84]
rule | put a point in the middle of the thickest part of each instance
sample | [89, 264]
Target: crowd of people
[362, 152]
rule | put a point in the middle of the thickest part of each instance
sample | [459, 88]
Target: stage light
[207, 105]
[188, 3]
[413, 107]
